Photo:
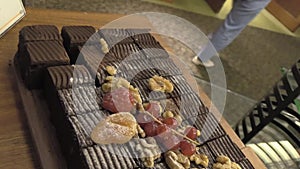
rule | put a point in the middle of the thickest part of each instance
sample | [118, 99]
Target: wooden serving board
[42, 131]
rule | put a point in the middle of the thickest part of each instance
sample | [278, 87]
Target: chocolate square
[67, 76]
[39, 33]
[126, 51]
[37, 57]
[75, 36]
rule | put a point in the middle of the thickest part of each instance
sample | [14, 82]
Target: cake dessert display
[125, 104]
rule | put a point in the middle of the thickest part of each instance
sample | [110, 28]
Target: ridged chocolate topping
[138, 65]
[64, 77]
[144, 38]
[39, 33]
[78, 100]
[188, 101]
[48, 53]
[77, 34]
[209, 127]
[166, 67]
[136, 31]
[224, 146]
[133, 75]
[81, 136]
[153, 51]
[146, 93]
[115, 36]
[84, 124]
[245, 164]
[190, 105]
[92, 56]
[181, 87]
[98, 157]
[122, 51]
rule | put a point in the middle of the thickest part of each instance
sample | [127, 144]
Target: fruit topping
[119, 100]
[117, 128]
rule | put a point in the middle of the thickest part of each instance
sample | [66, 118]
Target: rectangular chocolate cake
[81, 97]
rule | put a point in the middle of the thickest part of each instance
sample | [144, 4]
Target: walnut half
[176, 160]
[223, 162]
[201, 159]
[158, 83]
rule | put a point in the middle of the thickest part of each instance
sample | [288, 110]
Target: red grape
[150, 129]
[170, 122]
[143, 119]
[119, 100]
[153, 108]
[191, 132]
[170, 141]
[161, 128]
[187, 148]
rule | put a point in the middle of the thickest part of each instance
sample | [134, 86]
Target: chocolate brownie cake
[78, 104]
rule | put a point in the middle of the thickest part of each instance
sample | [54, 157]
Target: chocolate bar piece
[126, 51]
[75, 36]
[39, 33]
[224, 146]
[64, 77]
[37, 57]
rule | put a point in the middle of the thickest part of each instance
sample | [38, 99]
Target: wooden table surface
[16, 144]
